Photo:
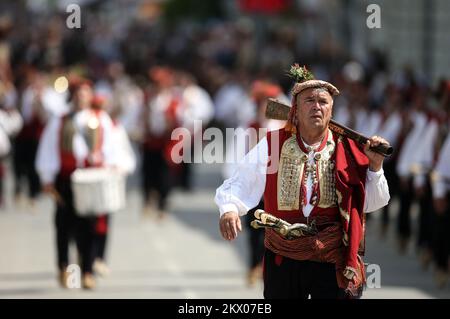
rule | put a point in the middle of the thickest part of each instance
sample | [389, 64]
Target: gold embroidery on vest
[292, 162]
[327, 182]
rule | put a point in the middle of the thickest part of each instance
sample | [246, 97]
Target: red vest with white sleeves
[339, 175]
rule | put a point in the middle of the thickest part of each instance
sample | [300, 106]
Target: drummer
[80, 138]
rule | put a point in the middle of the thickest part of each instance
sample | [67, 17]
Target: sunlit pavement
[180, 256]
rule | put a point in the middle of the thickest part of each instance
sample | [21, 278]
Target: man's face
[314, 108]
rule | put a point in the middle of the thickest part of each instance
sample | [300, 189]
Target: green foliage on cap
[300, 74]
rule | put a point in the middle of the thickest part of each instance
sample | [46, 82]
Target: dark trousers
[404, 219]
[393, 182]
[256, 238]
[425, 217]
[71, 227]
[100, 241]
[185, 178]
[441, 238]
[86, 232]
[156, 176]
[66, 222]
[24, 158]
[285, 278]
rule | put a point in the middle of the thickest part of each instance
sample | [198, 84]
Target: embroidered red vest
[346, 181]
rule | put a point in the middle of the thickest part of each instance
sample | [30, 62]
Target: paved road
[181, 256]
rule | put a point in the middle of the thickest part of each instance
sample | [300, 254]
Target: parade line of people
[47, 133]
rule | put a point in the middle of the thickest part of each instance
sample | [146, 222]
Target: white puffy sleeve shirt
[47, 161]
[441, 184]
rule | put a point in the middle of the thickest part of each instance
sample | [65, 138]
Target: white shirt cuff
[47, 178]
[374, 175]
[228, 208]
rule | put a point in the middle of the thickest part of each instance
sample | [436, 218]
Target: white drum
[98, 191]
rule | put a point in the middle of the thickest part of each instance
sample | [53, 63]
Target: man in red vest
[308, 174]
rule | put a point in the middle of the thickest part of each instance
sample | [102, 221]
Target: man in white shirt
[441, 197]
[441, 192]
[408, 156]
[81, 138]
[307, 173]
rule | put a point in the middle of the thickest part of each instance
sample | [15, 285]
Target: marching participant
[394, 129]
[10, 124]
[160, 118]
[61, 150]
[307, 173]
[431, 140]
[441, 191]
[26, 143]
[195, 105]
[81, 138]
[409, 155]
[441, 197]
[260, 91]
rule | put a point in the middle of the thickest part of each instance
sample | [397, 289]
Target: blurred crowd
[150, 78]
